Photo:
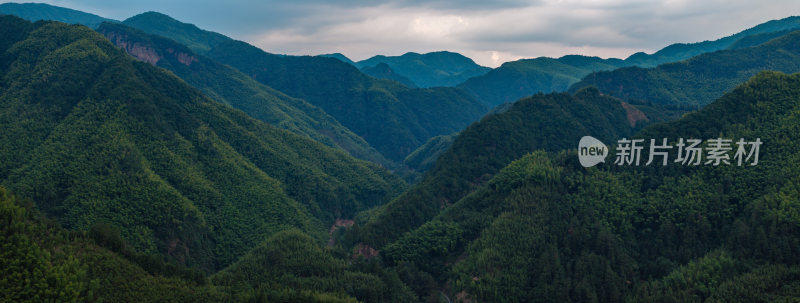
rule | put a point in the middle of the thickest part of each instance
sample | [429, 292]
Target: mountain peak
[199, 40]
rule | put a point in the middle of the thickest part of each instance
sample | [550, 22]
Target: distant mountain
[431, 69]
[339, 56]
[682, 51]
[392, 118]
[383, 71]
[552, 122]
[517, 79]
[227, 85]
[93, 136]
[702, 79]
[41, 11]
[198, 40]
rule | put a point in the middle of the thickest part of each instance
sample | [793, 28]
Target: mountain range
[150, 160]
[430, 69]
[701, 79]
[122, 142]
[518, 79]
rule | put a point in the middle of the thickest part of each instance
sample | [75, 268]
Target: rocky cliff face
[144, 52]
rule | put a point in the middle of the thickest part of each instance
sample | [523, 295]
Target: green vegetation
[699, 80]
[552, 122]
[427, 70]
[546, 229]
[392, 118]
[682, 51]
[136, 186]
[383, 71]
[522, 78]
[198, 40]
[93, 135]
[41, 11]
[518, 79]
[228, 85]
[422, 159]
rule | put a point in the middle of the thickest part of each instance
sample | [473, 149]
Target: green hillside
[702, 79]
[384, 71]
[229, 86]
[198, 40]
[682, 51]
[522, 78]
[518, 79]
[41, 11]
[95, 136]
[423, 159]
[392, 118]
[546, 229]
[430, 69]
[551, 122]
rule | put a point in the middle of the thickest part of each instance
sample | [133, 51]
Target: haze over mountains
[151, 160]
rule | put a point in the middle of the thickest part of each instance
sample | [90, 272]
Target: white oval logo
[591, 151]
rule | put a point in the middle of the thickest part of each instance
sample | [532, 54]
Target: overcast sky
[488, 32]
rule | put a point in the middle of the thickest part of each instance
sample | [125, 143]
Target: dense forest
[95, 136]
[546, 229]
[227, 85]
[430, 69]
[391, 117]
[701, 79]
[150, 160]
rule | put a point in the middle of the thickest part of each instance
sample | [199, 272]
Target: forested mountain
[422, 159]
[699, 80]
[546, 229]
[94, 136]
[384, 71]
[227, 85]
[392, 118]
[154, 161]
[198, 40]
[682, 51]
[430, 69]
[41, 261]
[339, 56]
[41, 11]
[518, 79]
[551, 122]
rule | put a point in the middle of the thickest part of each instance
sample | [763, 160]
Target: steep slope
[41, 261]
[93, 135]
[383, 71]
[340, 57]
[517, 79]
[228, 85]
[422, 159]
[682, 51]
[198, 40]
[546, 229]
[551, 122]
[702, 79]
[41, 11]
[392, 118]
[430, 69]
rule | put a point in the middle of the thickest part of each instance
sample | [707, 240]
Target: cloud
[490, 32]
